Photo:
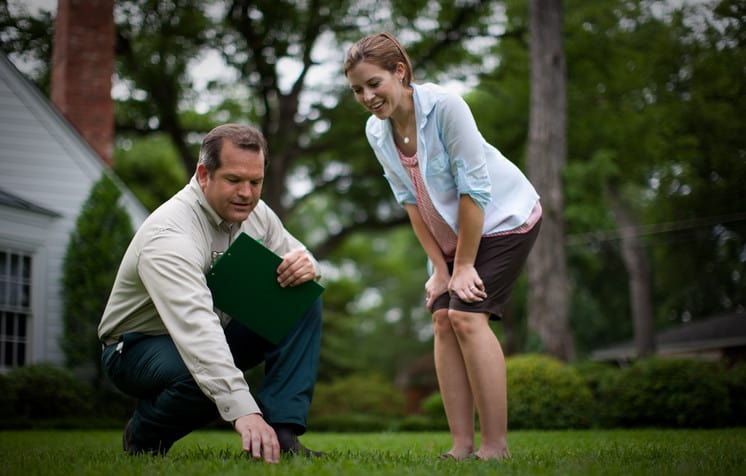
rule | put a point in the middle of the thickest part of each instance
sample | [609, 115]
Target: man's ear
[202, 175]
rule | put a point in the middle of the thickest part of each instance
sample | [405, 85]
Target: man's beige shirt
[161, 288]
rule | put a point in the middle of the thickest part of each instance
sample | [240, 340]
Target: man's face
[234, 189]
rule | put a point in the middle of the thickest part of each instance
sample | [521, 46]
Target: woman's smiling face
[376, 89]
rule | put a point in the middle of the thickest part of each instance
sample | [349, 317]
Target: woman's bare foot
[485, 455]
[458, 454]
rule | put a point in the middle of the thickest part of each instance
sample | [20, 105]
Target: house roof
[42, 151]
[14, 201]
[718, 332]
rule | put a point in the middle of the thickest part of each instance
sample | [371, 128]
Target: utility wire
[578, 239]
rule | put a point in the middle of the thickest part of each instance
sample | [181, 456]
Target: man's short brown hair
[241, 135]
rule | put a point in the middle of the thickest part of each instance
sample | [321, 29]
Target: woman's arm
[466, 282]
[438, 282]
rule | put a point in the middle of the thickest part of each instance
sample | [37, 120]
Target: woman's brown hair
[382, 50]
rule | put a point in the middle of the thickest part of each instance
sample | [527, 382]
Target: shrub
[356, 395]
[349, 423]
[432, 408]
[102, 232]
[596, 375]
[543, 393]
[736, 382]
[111, 405]
[668, 392]
[421, 423]
[7, 398]
[356, 403]
[42, 391]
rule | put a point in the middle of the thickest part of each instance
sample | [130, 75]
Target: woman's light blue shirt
[455, 160]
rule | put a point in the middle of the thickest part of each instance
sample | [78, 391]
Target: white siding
[26, 232]
[43, 160]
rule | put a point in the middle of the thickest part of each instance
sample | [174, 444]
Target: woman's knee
[441, 323]
[465, 323]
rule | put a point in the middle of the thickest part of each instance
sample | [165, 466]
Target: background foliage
[669, 392]
[102, 232]
[543, 393]
[655, 97]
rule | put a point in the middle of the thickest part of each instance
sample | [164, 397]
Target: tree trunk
[548, 296]
[638, 274]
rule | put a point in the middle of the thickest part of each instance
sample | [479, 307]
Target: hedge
[543, 393]
[668, 392]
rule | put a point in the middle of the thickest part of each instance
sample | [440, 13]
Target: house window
[15, 307]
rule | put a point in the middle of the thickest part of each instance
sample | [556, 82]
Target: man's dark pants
[171, 405]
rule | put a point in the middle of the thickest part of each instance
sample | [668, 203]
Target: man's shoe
[291, 445]
[131, 448]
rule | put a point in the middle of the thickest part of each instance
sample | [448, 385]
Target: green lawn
[632, 452]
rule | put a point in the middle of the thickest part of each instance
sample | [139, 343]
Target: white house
[46, 173]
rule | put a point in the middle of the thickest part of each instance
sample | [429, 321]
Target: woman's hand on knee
[467, 285]
[434, 287]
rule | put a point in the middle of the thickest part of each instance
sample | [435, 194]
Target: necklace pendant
[406, 140]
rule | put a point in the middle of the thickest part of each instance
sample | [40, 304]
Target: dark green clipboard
[243, 282]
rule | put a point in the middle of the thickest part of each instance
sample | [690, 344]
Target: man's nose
[244, 189]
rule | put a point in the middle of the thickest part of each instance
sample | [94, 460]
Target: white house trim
[46, 173]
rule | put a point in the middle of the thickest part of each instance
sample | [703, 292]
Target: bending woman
[475, 215]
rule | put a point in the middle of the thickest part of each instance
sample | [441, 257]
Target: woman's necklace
[404, 137]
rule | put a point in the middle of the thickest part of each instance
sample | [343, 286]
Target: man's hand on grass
[258, 438]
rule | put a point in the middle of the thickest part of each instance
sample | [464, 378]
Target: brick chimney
[82, 68]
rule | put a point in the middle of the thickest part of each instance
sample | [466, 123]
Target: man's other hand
[296, 268]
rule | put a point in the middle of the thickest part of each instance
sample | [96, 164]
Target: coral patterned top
[443, 234]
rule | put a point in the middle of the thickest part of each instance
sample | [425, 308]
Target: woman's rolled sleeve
[465, 147]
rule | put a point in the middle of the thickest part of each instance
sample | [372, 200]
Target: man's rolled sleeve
[236, 404]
